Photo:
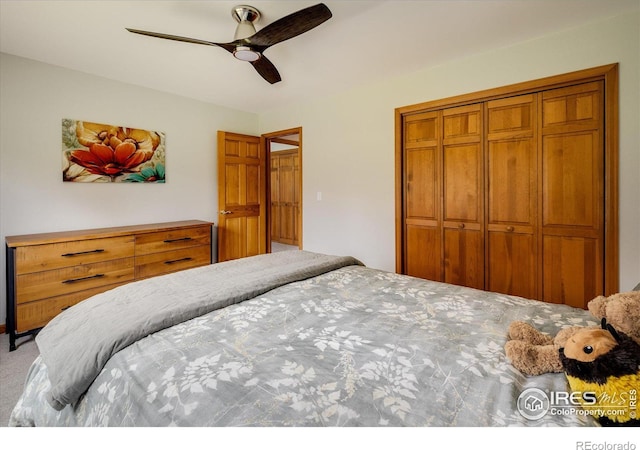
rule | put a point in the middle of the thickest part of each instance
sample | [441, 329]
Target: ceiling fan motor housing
[245, 16]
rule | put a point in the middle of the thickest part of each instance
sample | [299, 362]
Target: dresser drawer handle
[169, 241]
[98, 250]
[173, 261]
[75, 280]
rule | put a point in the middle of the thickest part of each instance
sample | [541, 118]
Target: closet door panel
[511, 191]
[462, 124]
[511, 174]
[463, 199]
[285, 196]
[287, 189]
[572, 170]
[512, 263]
[464, 258]
[462, 185]
[422, 204]
[573, 108]
[572, 270]
[420, 130]
[572, 194]
[422, 184]
[275, 196]
[423, 252]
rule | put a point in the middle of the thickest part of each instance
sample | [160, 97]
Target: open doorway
[284, 189]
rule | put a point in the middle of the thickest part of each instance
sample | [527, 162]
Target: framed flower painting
[95, 152]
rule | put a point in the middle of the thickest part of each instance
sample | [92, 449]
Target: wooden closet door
[463, 202]
[572, 194]
[422, 205]
[275, 197]
[289, 197]
[285, 196]
[511, 172]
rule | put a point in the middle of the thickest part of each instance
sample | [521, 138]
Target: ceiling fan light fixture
[246, 54]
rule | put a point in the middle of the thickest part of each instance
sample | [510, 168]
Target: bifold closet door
[572, 181]
[514, 189]
[422, 204]
[512, 196]
[463, 202]
[285, 196]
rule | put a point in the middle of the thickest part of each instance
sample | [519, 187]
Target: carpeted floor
[13, 372]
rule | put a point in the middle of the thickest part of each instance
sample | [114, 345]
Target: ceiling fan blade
[289, 26]
[266, 69]
[227, 47]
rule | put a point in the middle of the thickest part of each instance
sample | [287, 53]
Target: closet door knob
[224, 212]
[510, 228]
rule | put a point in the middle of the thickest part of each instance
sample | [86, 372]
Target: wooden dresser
[50, 272]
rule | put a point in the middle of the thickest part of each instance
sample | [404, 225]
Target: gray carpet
[13, 372]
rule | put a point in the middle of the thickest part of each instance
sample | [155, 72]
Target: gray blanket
[76, 345]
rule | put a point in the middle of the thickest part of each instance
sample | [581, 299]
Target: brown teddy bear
[535, 353]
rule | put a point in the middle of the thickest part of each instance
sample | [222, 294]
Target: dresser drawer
[38, 258]
[166, 262]
[37, 314]
[40, 285]
[163, 241]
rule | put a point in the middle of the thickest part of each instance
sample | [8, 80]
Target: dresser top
[94, 233]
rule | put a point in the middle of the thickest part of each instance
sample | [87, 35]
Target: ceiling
[362, 42]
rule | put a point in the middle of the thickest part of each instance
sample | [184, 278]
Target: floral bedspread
[352, 347]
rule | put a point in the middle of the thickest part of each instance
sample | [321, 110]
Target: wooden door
[511, 180]
[572, 194]
[422, 246]
[546, 213]
[274, 191]
[463, 202]
[285, 196]
[241, 196]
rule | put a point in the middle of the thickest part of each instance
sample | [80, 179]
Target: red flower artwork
[112, 151]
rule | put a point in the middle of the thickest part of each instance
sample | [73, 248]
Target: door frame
[281, 137]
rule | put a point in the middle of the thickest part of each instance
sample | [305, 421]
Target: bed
[288, 339]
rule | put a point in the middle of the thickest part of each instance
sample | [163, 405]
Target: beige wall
[35, 97]
[348, 139]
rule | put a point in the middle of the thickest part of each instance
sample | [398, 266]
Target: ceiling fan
[249, 45]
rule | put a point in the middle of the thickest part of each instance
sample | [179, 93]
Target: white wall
[348, 139]
[35, 97]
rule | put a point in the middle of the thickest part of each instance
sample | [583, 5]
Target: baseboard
[3, 328]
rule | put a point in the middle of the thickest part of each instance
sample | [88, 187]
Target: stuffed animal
[604, 367]
[535, 353]
[621, 310]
